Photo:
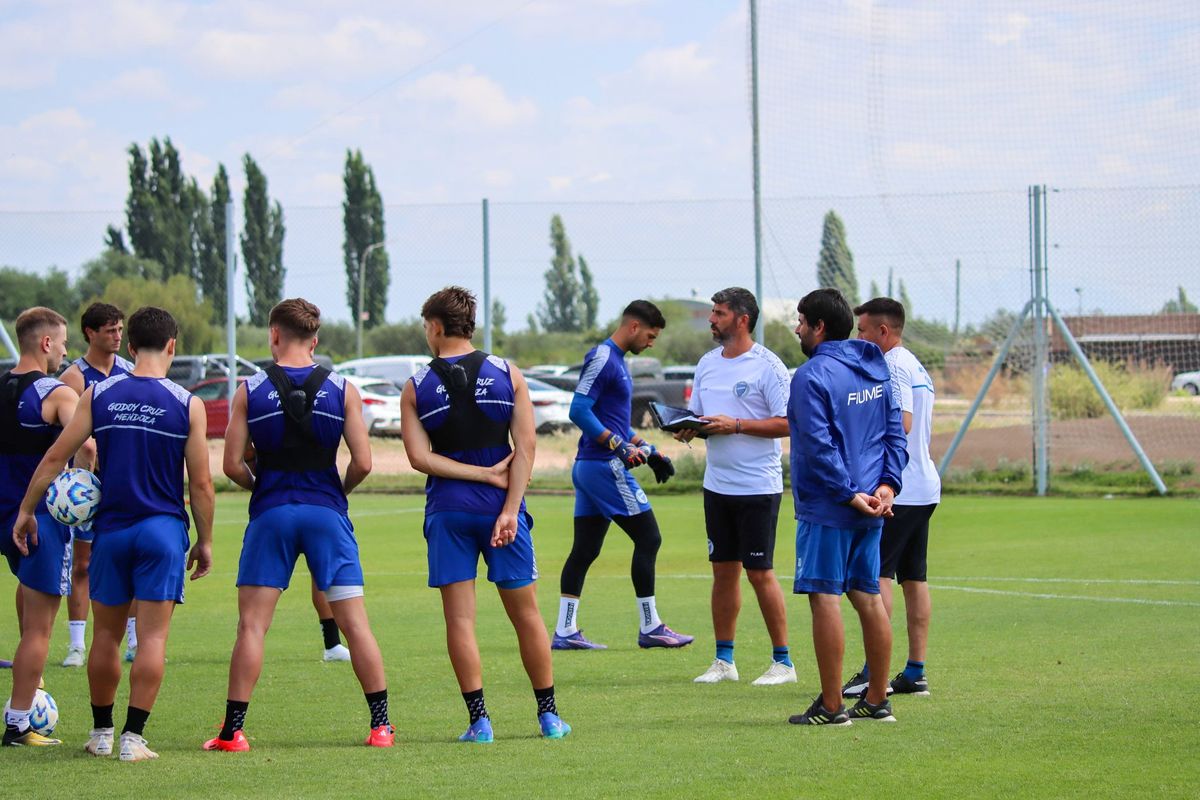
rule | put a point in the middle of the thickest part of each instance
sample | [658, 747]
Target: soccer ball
[43, 717]
[73, 496]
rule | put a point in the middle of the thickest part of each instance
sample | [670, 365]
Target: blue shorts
[456, 539]
[836, 560]
[145, 561]
[85, 536]
[276, 538]
[47, 568]
[606, 489]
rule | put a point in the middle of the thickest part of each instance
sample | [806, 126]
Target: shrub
[1072, 395]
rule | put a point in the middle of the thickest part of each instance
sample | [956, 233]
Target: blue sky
[883, 111]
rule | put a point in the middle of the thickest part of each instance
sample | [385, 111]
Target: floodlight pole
[487, 284]
[230, 272]
[362, 268]
[8, 342]
[758, 276]
[1041, 468]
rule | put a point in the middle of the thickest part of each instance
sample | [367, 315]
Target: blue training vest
[16, 469]
[92, 376]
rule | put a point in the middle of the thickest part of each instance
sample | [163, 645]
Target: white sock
[131, 631]
[18, 719]
[648, 614]
[568, 616]
[78, 628]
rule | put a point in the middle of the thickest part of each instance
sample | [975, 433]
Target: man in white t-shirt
[741, 388]
[905, 541]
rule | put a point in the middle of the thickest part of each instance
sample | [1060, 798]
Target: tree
[904, 301]
[21, 290]
[110, 265]
[561, 309]
[212, 264]
[363, 221]
[114, 239]
[531, 323]
[589, 297]
[262, 245]
[1179, 305]
[874, 290]
[835, 264]
[178, 295]
[499, 318]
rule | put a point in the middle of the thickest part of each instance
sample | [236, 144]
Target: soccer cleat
[662, 636]
[856, 687]
[817, 714]
[382, 736]
[864, 710]
[480, 732]
[552, 726]
[30, 738]
[130, 654]
[74, 657]
[100, 742]
[337, 653]
[575, 641]
[719, 671]
[902, 685]
[237, 744]
[777, 674]
[5, 663]
[133, 748]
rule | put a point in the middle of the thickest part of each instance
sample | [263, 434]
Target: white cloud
[1008, 29]
[474, 99]
[674, 65]
[143, 84]
[498, 178]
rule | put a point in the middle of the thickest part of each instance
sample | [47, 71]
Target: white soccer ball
[73, 496]
[43, 717]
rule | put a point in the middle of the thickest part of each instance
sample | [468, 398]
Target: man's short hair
[97, 316]
[34, 323]
[296, 317]
[454, 307]
[891, 310]
[150, 328]
[646, 313]
[830, 307]
[740, 301]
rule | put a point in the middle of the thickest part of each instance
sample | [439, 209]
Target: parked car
[649, 383]
[320, 358]
[551, 406]
[1188, 381]
[214, 392]
[396, 369]
[190, 370]
[547, 369]
[381, 404]
[680, 373]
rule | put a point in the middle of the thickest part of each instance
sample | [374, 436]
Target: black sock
[377, 702]
[102, 716]
[135, 720]
[235, 718]
[329, 630]
[545, 701]
[475, 706]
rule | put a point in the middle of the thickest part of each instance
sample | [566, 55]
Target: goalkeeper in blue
[605, 490]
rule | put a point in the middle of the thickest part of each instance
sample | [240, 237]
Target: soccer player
[741, 388]
[458, 417]
[905, 541]
[605, 491]
[34, 408]
[103, 326]
[147, 430]
[296, 413]
[846, 461]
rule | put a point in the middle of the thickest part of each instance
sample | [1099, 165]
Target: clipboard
[673, 418]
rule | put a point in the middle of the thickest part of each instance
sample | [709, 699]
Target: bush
[1072, 395]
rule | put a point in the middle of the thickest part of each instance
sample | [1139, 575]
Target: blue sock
[725, 650]
[866, 672]
[780, 654]
[914, 669]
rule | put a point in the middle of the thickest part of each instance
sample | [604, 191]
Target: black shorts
[905, 543]
[741, 528]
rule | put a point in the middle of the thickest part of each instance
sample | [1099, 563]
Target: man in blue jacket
[848, 451]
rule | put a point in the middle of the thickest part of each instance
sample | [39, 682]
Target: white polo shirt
[754, 385]
[913, 390]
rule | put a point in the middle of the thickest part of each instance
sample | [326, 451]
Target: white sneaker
[775, 675]
[719, 671]
[100, 742]
[133, 748]
[130, 654]
[337, 653]
[74, 657]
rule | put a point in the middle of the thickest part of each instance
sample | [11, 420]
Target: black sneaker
[817, 714]
[857, 687]
[903, 685]
[864, 710]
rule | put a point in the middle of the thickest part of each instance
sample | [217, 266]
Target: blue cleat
[552, 726]
[576, 641]
[480, 732]
[5, 663]
[662, 636]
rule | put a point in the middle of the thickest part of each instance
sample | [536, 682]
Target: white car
[381, 404]
[396, 369]
[547, 369]
[1188, 381]
[551, 406]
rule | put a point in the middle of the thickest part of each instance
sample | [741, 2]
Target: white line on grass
[1129, 581]
[1043, 596]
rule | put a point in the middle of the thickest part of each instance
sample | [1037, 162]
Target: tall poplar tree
[835, 264]
[262, 245]
[362, 218]
[561, 309]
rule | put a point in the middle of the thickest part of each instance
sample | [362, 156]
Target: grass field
[1064, 661]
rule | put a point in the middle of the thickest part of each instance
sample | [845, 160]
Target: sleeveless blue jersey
[141, 427]
[606, 380]
[16, 469]
[265, 417]
[92, 376]
[494, 397]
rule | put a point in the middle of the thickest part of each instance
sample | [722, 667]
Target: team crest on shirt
[641, 497]
[740, 388]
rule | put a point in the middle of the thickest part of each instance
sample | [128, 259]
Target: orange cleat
[383, 736]
[237, 745]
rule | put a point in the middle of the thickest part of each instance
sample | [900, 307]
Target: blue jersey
[265, 418]
[141, 427]
[92, 376]
[605, 380]
[16, 469]
[495, 398]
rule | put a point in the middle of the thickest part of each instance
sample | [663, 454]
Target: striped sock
[725, 650]
[781, 655]
[914, 670]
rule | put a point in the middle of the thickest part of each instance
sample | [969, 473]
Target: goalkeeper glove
[629, 453]
[660, 464]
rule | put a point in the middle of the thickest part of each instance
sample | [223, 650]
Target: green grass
[1033, 696]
